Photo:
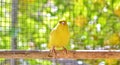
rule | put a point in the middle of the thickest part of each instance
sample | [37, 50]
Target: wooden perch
[80, 54]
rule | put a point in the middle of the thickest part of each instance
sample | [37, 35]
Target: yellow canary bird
[59, 36]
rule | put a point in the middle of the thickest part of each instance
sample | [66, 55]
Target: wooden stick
[78, 54]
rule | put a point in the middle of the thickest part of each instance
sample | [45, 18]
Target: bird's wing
[52, 38]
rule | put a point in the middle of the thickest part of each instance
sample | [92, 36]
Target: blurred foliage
[111, 61]
[93, 24]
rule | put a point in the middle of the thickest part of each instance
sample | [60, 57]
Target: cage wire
[26, 25]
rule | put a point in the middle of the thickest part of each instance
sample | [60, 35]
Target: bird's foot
[52, 52]
[65, 50]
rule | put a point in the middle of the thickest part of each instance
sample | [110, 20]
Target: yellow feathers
[59, 36]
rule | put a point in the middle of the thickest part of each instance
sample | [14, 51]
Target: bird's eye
[60, 21]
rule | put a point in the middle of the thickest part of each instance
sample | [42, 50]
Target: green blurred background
[93, 25]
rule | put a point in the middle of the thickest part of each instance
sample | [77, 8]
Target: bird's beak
[63, 23]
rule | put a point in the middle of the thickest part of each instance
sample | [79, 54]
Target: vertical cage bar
[14, 24]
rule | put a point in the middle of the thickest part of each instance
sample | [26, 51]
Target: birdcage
[25, 27]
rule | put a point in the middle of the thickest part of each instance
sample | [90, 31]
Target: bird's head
[62, 22]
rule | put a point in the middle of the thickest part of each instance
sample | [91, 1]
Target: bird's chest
[62, 34]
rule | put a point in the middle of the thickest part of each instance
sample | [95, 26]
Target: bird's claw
[52, 53]
[65, 50]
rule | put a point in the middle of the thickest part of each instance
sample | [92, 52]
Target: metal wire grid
[7, 31]
[4, 28]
